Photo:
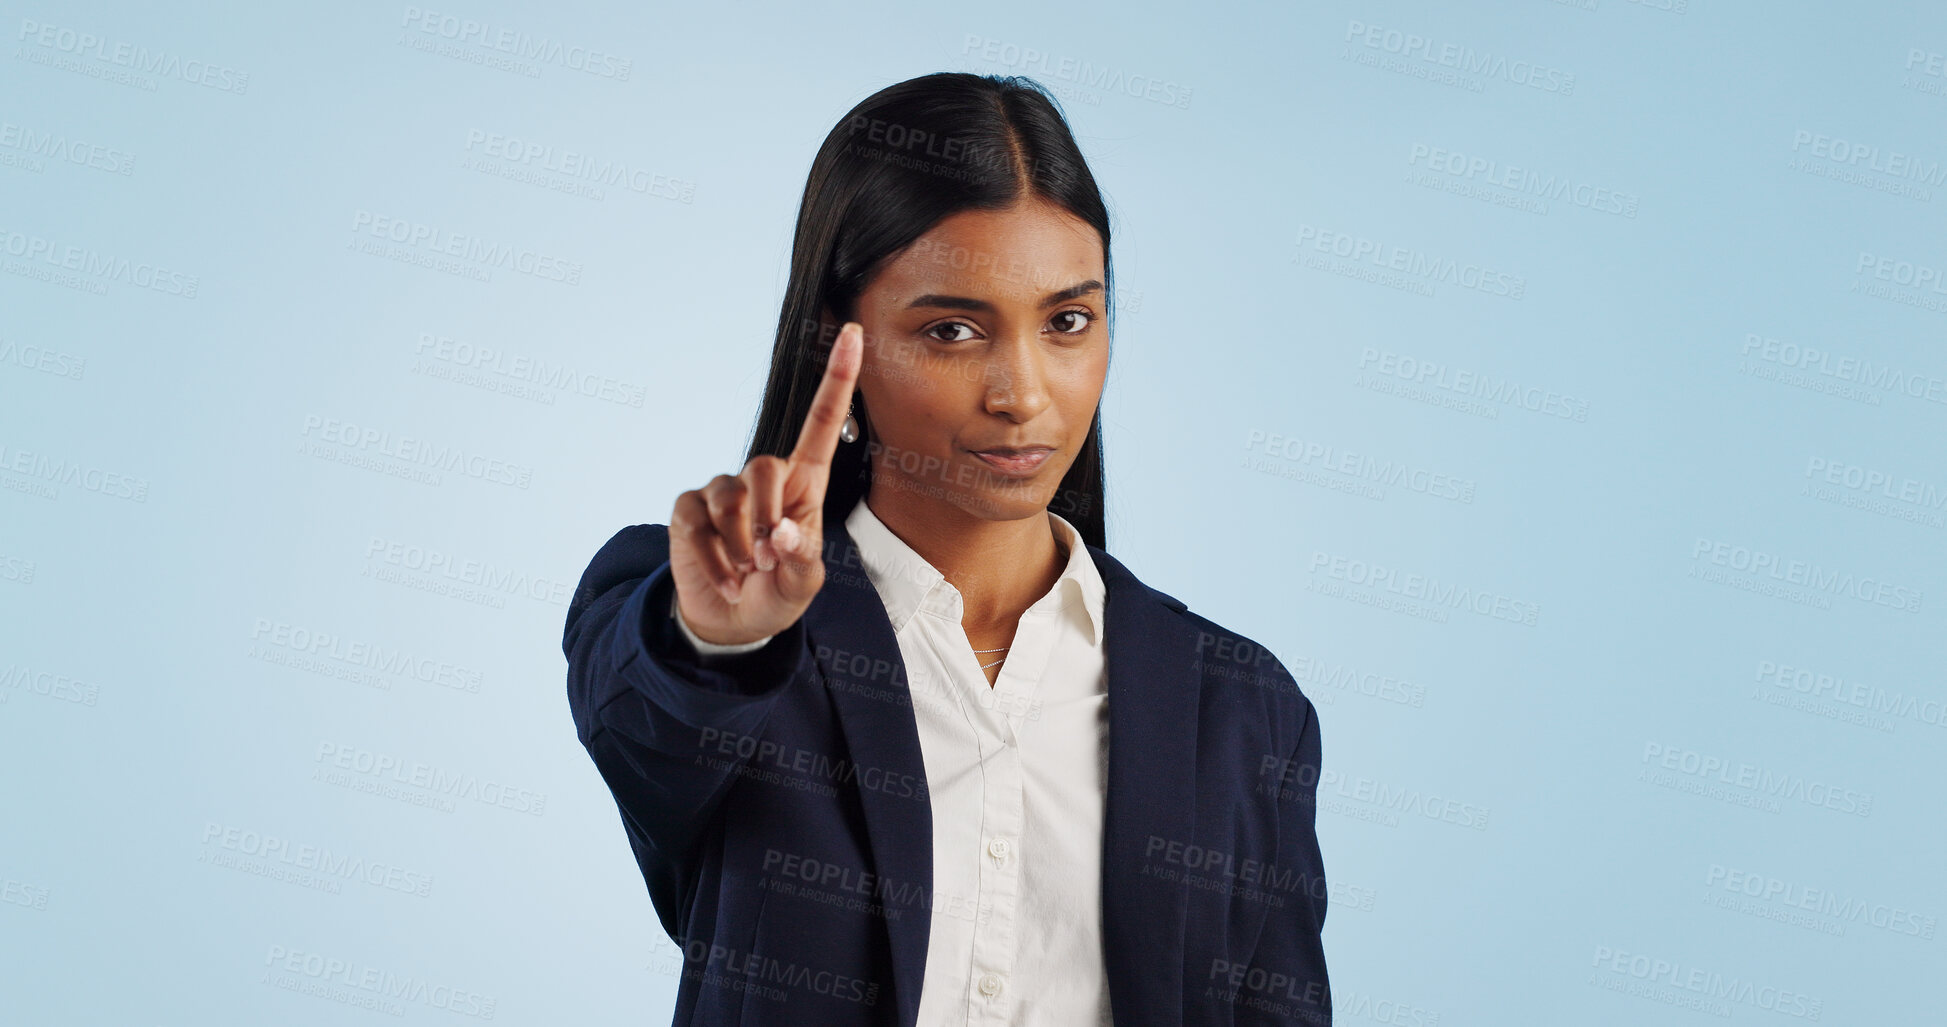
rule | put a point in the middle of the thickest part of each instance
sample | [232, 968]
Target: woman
[894, 739]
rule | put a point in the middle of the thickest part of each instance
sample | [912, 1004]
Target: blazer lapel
[1153, 701]
[852, 641]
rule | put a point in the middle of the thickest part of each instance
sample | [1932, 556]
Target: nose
[1016, 381]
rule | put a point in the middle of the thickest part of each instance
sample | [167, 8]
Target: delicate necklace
[1003, 659]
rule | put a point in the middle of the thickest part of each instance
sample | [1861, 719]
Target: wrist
[704, 646]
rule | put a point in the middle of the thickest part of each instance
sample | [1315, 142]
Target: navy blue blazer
[776, 803]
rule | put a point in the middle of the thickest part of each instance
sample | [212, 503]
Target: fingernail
[733, 592]
[786, 535]
[766, 555]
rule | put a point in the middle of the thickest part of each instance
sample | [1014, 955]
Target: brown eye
[932, 332]
[1085, 316]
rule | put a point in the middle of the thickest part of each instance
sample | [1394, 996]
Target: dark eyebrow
[968, 303]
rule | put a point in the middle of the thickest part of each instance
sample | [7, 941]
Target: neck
[1000, 567]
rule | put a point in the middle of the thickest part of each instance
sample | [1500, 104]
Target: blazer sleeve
[661, 721]
[1293, 939]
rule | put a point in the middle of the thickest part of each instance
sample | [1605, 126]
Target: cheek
[945, 392]
[1081, 390]
[920, 414]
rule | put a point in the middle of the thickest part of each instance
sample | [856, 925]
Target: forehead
[1021, 253]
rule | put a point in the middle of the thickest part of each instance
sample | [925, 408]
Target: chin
[1007, 504]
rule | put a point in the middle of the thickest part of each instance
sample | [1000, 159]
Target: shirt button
[990, 985]
[998, 849]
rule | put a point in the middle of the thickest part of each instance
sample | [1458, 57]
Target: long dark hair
[905, 158]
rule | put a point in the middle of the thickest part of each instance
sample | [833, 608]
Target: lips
[1015, 461]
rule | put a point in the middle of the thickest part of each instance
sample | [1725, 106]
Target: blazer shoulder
[630, 554]
[1212, 634]
[1110, 568]
[1219, 651]
[1232, 656]
[1173, 603]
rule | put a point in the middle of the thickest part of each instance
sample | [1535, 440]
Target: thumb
[799, 545]
[788, 537]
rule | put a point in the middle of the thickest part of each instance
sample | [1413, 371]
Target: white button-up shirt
[1016, 771]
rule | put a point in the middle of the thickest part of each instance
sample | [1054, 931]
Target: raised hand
[747, 551]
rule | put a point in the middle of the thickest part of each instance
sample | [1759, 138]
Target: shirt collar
[907, 583]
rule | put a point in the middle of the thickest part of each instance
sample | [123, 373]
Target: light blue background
[156, 722]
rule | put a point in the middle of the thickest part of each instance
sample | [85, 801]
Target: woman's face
[985, 353]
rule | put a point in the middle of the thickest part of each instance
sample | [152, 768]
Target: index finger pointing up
[818, 439]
